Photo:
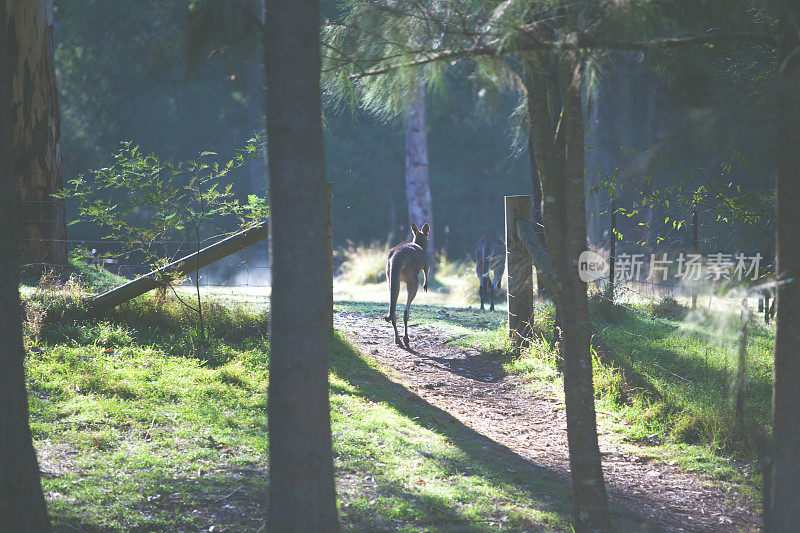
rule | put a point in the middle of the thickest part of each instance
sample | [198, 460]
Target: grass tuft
[669, 308]
[688, 429]
[362, 264]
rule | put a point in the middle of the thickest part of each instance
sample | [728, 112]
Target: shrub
[609, 383]
[688, 429]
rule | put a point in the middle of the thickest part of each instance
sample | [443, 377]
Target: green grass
[137, 431]
[691, 365]
[140, 428]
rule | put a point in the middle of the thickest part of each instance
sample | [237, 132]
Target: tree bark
[301, 494]
[783, 513]
[560, 159]
[418, 188]
[36, 133]
[22, 505]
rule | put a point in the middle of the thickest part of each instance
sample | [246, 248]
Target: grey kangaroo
[404, 263]
[490, 257]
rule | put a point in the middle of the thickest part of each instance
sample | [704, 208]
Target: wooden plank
[529, 237]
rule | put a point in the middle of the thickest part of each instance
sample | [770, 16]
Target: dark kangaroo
[404, 263]
[490, 257]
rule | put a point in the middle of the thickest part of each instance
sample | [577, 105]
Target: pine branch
[533, 43]
[669, 42]
[432, 57]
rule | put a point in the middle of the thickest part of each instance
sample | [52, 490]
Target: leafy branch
[147, 204]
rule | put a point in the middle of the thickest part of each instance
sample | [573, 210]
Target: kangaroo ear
[414, 228]
[425, 228]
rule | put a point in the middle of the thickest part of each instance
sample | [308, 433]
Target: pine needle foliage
[377, 52]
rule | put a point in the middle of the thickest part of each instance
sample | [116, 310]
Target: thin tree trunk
[22, 506]
[418, 188]
[254, 82]
[594, 221]
[561, 169]
[36, 133]
[257, 168]
[783, 512]
[301, 494]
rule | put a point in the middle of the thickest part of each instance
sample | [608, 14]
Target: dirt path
[473, 388]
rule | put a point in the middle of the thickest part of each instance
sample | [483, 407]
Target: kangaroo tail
[393, 275]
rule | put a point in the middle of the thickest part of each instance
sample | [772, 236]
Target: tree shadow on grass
[494, 460]
[230, 498]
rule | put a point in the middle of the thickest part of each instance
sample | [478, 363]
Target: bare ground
[473, 387]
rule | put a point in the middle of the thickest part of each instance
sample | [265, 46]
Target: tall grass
[362, 263]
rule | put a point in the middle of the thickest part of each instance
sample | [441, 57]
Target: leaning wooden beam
[528, 236]
[181, 267]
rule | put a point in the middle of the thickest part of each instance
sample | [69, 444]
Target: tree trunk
[560, 158]
[783, 512]
[22, 506]
[418, 188]
[301, 493]
[36, 133]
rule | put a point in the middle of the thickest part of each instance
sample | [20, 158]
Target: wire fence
[248, 268]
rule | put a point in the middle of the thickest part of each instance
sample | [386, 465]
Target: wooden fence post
[519, 272]
[329, 242]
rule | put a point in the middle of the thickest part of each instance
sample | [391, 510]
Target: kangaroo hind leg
[394, 290]
[491, 287]
[412, 292]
